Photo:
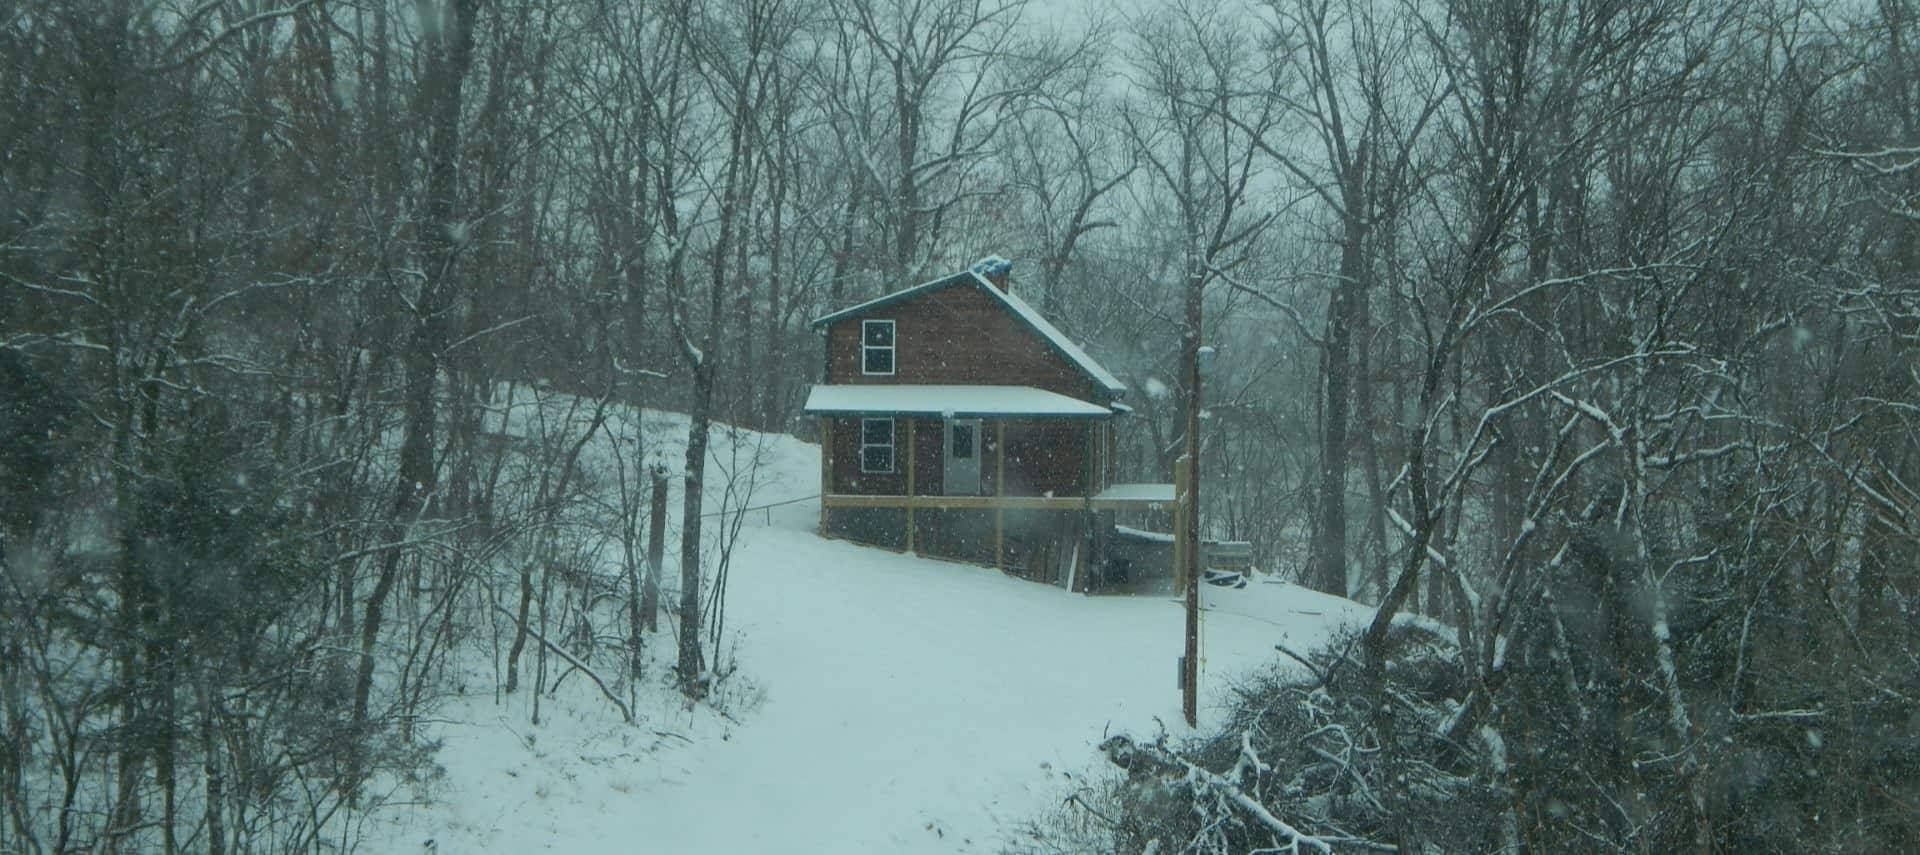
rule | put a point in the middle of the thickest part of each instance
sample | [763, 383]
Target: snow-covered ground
[883, 703]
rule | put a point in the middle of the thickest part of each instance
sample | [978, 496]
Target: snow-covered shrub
[1297, 765]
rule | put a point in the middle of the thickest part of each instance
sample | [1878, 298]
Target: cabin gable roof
[1029, 318]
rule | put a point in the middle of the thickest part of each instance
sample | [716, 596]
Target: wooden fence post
[656, 548]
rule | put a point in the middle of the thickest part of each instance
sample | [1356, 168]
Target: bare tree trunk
[629, 554]
[213, 770]
[843, 255]
[1376, 556]
[1327, 553]
[451, 50]
[773, 373]
[521, 613]
[741, 69]
[691, 664]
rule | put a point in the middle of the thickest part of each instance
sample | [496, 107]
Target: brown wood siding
[849, 480]
[958, 335]
[1046, 457]
[930, 473]
[1043, 456]
[847, 477]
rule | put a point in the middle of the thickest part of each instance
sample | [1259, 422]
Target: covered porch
[1012, 477]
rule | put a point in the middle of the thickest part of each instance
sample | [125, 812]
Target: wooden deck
[1116, 498]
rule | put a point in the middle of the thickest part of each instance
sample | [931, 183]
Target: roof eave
[884, 300]
[956, 414]
[1118, 390]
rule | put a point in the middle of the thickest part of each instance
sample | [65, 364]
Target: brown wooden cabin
[957, 422]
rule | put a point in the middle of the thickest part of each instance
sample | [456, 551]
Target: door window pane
[962, 442]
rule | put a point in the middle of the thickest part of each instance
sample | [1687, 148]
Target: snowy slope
[904, 705]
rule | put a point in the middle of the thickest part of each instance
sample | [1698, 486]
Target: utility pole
[1196, 354]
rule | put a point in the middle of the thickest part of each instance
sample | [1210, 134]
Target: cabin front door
[962, 470]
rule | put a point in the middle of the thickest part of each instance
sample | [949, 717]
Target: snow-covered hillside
[883, 703]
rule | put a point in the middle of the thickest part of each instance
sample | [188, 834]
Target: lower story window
[876, 446]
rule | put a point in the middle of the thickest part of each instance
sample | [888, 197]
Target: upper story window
[876, 347]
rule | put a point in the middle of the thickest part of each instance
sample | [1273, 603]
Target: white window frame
[892, 348]
[891, 445]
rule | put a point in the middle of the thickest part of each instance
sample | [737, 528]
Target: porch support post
[999, 489]
[1083, 566]
[912, 465]
[826, 468]
[1093, 466]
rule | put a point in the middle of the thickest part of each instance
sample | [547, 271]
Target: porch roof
[948, 401]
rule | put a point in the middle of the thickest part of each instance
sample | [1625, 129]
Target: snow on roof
[1019, 307]
[992, 265]
[948, 401]
[1142, 534]
[1057, 338]
[1137, 493]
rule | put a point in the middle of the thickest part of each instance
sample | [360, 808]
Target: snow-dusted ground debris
[883, 703]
